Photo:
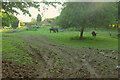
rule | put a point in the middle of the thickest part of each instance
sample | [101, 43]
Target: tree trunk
[81, 34]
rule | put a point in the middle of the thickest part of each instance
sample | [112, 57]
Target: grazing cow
[54, 30]
[93, 33]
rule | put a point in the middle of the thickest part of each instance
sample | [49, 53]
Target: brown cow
[93, 33]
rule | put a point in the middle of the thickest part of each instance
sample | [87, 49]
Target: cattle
[54, 30]
[93, 33]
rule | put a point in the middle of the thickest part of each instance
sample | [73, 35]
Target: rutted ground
[53, 60]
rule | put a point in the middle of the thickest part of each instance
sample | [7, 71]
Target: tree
[10, 7]
[86, 14]
[9, 20]
[119, 12]
[39, 18]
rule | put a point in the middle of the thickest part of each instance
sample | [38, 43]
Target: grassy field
[71, 38]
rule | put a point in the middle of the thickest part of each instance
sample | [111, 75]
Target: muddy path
[52, 60]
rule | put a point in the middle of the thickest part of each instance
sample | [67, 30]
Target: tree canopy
[9, 20]
[88, 14]
[23, 6]
[11, 7]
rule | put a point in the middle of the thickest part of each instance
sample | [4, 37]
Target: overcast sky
[50, 13]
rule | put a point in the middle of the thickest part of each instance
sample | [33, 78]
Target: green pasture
[71, 38]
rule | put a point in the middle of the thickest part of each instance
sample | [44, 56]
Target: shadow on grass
[84, 38]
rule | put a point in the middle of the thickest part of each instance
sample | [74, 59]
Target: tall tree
[39, 18]
[86, 14]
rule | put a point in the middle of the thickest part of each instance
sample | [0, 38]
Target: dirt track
[52, 60]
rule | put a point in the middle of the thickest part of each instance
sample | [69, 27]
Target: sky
[50, 13]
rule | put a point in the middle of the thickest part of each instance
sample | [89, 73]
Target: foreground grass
[14, 49]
